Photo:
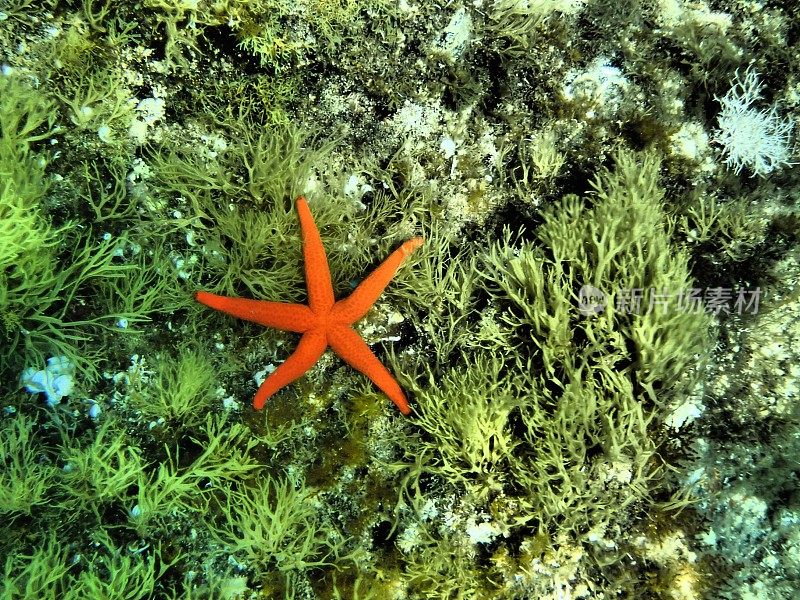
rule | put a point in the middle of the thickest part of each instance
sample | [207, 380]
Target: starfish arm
[318, 275]
[356, 305]
[355, 352]
[308, 351]
[278, 315]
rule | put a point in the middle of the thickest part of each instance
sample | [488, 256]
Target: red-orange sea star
[324, 321]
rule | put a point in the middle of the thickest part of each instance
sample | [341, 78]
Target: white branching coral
[757, 139]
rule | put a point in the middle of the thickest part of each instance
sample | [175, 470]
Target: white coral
[757, 139]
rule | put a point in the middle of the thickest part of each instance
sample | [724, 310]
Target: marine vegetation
[550, 429]
[596, 344]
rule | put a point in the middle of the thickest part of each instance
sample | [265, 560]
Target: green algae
[25, 482]
[559, 433]
[541, 436]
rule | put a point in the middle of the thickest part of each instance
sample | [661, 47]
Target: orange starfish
[323, 322]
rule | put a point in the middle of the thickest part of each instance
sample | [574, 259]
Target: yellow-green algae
[149, 149]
